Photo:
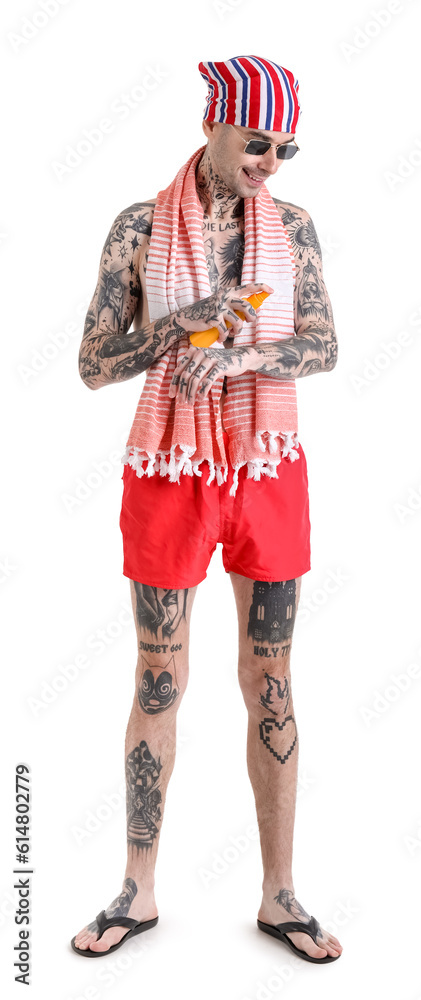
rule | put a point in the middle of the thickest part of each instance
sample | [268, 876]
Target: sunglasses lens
[256, 147]
[287, 151]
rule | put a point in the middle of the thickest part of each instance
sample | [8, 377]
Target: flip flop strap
[105, 922]
[312, 927]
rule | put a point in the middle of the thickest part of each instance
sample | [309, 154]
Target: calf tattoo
[121, 905]
[279, 737]
[157, 690]
[143, 796]
[154, 613]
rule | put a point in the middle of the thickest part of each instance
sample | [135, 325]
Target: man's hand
[200, 367]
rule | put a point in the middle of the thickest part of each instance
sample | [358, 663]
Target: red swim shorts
[170, 531]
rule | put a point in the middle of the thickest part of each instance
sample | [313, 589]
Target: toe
[110, 937]
[84, 938]
[306, 943]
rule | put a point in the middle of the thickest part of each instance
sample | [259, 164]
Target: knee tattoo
[158, 687]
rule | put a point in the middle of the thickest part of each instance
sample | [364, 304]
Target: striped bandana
[251, 91]
[260, 412]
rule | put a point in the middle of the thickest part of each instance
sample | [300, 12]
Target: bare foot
[143, 907]
[276, 909]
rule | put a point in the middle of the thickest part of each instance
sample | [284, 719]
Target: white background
[357, 850]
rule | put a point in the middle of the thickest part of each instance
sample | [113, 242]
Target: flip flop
[311, 927]
[135, 927]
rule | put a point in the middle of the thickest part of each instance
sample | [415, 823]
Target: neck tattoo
[214, 193]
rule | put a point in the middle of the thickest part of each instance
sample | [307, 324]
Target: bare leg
[162, 623]
[266, 615]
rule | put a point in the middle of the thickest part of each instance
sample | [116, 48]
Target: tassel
[196, 469]
[233, 489]
[171, 465]
[272, 442]
[163, 468]
[212, 471]
[288, 449]
[150, 466]
[260, 440]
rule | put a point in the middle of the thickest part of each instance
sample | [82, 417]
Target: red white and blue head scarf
[251, 91]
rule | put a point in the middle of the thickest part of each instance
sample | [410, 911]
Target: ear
[208, 127]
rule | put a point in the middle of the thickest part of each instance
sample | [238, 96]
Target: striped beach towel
[260, 412]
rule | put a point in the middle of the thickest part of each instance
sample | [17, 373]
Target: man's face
[233, 165]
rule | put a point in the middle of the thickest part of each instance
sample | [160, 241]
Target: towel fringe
[174, 468]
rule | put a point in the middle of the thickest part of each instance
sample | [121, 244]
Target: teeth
[252, 175]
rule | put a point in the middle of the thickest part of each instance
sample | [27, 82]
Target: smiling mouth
[253, 177]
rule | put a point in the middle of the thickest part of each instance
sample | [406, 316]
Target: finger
[245, 307]
[181, 367]
[194, 382]
[205, 382]
[254, 286]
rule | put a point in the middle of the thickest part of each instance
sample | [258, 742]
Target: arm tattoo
[108, 353]
[314, 347]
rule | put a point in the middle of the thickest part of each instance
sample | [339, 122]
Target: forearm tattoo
[143, 796]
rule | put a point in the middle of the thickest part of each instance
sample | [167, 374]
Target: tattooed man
[170, 530]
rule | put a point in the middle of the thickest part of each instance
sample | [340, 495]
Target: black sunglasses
[258, 147]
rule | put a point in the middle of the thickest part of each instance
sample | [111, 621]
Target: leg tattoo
[277, 737]
[152, 612]
[143, 796]
[272, 611]
[157, 690]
